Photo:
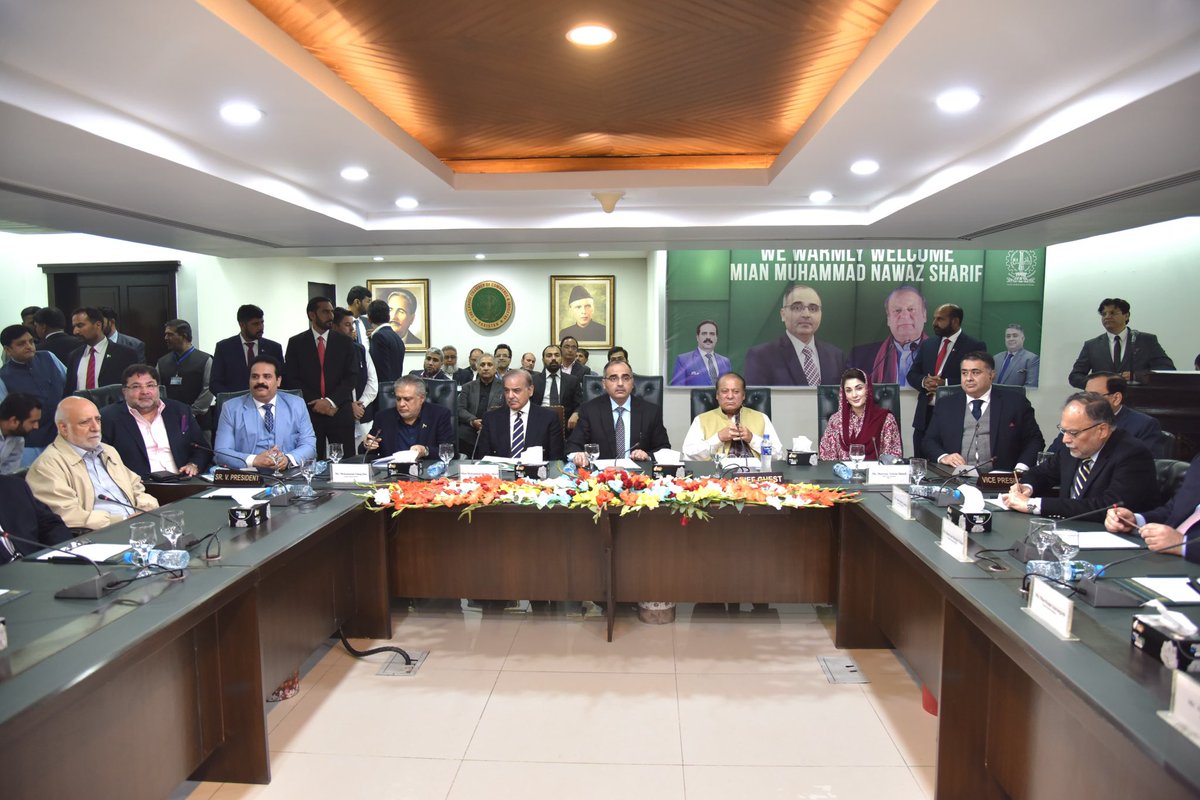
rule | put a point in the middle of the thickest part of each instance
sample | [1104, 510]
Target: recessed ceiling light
[241, 113]
[585, 255]
[407, 203]
[864, 167]
[591, 35]
[957, 101]
[821, 196]
[355, 174]
[377, 258]
[480, 256]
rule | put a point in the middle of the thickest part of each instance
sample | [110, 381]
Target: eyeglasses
[1075, 434]
[800, 308]
[137, 387]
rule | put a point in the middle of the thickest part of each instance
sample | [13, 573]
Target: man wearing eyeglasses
[1112, 387]
[1101, 465]
[152, 434]
[623, 425]
[1119, 349]
[796, 358]
[412, 424]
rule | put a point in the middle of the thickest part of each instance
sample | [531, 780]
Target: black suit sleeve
[1082, 368]
[654, 433]
[916, 373]
[197, 452]
[1130, 480]
[582, 434]
[936, 441]
[1030, 434]
[552, 436]
[341, 380]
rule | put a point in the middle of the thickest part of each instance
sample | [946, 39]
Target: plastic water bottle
[435, 470]
[842, 471]
[1074, 570]
[766, 452]
[169, 559]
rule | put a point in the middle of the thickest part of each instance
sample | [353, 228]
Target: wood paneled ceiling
[494, 87]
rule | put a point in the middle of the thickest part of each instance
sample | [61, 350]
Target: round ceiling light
[241, 113]
[355, 174]
[480, 256]
[591, 34]
[864, 166]
[957, 101]
[407, 203]
[821, 196]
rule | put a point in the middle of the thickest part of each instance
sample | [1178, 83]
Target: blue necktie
[268, 418]
[976, 408]
[1004, 369]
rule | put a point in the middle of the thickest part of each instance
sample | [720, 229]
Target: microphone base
[1024, 551]
[93, 588]
[1105, 594]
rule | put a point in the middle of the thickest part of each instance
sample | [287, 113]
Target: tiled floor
[540, 705]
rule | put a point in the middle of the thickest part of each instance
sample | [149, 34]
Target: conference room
[783, 192]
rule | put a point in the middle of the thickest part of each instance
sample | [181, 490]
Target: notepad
[240, 496]
[1174, 589]
[96, 551]
[619, 463]
[1103, 540]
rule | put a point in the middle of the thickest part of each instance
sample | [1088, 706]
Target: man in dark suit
[1101, 466]
[507, 432]
[387, 348]
[232, 356]
[796, 358]
[985, 422]
[623, 425]
[151, 434]
[938, 362]
[99, 362]
[476, 399]
[411, 424]
[22, 514]
[1119, 349]
[1166, 525]
[468, 373]
[569, 346]
[111, 320]
[552, 386]
[48, 324]
[323, 365]
[1143, 427]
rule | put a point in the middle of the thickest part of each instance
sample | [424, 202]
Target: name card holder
[888, 473]
[237, 477]
[774, 477]
[1051, 608]
[478, 470]
[902, 503]
[999, 482]
[350, 473]
[1184, 713]
[955, 541]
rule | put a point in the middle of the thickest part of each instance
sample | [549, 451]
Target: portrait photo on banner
[408, 308]
[582, 306]
[800, 317]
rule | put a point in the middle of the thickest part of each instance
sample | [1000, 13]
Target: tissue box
[1171, 649]
[532, 471]
[669, 470]
[801, 458]
[249, 516]
[412, 469]
[975, 522]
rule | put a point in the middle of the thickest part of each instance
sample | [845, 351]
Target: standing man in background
[323, 365]
[110, 330]
[100, 361]
[232, 357]
[357, 301]
[938, 363]
[184, 370]
[34, 373]
[387, 348]
[1119, 349]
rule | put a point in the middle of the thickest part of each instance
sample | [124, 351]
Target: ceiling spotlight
[821, 196]
[865, 167]
[480, 256]
[241, 113]
[585, 255]
[957, 101]
[407, 203]
[591, 35]
[355, 174]
[377, 258]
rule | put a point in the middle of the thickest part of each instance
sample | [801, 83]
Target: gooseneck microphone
[1109, 595]
[93, 588]
[1024, 550]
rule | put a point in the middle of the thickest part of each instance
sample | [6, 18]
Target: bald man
[77, 470]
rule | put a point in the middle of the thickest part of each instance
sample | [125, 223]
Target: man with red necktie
[937, 364]
[323, 364]
[99, 362]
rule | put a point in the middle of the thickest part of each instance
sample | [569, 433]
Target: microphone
[93, 588]
[1023, 550]
[945, 498]
[238, 457]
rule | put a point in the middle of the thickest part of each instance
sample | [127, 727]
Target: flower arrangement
[617, 490]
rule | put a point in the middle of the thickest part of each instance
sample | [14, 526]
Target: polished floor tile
[595, 718]
[801, 783]
[493, 780]
[925, 777]
[703, 647]
[897, 701]
[580, 645]
[462, 641]
[318, 776]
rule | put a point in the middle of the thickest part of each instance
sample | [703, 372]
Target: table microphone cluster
[93, 588]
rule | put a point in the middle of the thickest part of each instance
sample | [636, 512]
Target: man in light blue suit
[702, 366]
[1016, 366]
[265, 429]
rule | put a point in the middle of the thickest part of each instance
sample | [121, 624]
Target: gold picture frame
[401, 294]
[583, 306]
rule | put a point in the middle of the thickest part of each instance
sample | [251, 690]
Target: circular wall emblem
[489, 305]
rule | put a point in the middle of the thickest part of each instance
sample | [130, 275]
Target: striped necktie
[268, 418]
[619, 433]
[518, 437]
[811, 373]
[1081, 476]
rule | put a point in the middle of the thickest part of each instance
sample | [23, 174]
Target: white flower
[382, 497]
[775, 502]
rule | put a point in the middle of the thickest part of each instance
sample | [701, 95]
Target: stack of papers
[94, 551]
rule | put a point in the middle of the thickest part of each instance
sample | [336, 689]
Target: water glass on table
[592, 451]
[917, 467]
[142, 539]
[172, 526]
[446, 452]
[334, 452]
[1042, 533]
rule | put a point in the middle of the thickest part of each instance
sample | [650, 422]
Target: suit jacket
[240, 428]
[775, 364]
[882, 366]
[62, 344]
[1125, 474]
[120, 429]
[60, 479]
[1142, 427]
[1022, 371]
[1014, 434]
[577, 370]
[302, 370]
[570, 391]
[133, 343]
[22, 514]
[464, 375]
[468, 402]
[1142, 352]
[229, 371]
[926, 362]
[1181, 506]
[387, 352]
[434, 427]
[645, 427]
[690, 369]
[116, 358]
[542, 429]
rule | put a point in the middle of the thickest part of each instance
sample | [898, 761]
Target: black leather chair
[887, 395]
[444, 393]
[757, 397]
[946, 391]
[1170, 474]
[1166, 445]
[225, 397]
[386, 398]
[647, 387]
[106, 395]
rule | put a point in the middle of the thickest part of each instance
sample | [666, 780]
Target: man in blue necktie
[1017, 366]
[265, 429]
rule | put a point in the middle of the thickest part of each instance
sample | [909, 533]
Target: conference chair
[948, 390]
[107, 395]
[647, 387]
[444, 393]
[386, 398]
[757, 397]
[887, 396]
[1170, 474]
[1165, 448]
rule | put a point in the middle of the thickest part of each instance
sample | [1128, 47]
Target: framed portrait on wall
[583, 306]
[408, 308]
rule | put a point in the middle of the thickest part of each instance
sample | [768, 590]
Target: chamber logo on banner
[1022, 267]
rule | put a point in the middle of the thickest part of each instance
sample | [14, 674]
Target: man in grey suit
[796, 358]
[1119, 349]
[478, 397]
[1016, 366]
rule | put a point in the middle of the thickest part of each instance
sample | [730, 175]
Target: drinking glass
[858, 452]
[334, 451]
[142, 539]
[308, 468]
[592, 451]
[446, 452]
[172, 526]
[1065, 546]
[917, 465]
[1042, 533]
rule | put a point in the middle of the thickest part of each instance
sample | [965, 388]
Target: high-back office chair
[444, 393]
[757, 397]
[1165, 448]
[948, 390]
[1170, 474]
[887, 396]
[647, 387]
[106, 395]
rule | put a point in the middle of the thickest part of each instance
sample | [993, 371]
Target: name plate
[888, 473]
[237, 477]
[350, 473]
[1184, 714]
[995, 481]
[1051, 608]
[955, 541]
[478, 470]
[902, 502]
[776, 477]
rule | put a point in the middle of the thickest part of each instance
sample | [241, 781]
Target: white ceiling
[1090, 122]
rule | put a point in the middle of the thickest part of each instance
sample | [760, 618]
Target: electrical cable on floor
[374, 650]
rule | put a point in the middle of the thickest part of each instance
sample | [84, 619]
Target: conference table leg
[610, 575]
[372, 617]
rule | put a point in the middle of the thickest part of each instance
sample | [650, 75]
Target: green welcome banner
[844, 308]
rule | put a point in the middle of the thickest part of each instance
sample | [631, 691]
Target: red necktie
[91, 373]
[941, 359]
[321, 359]
[249, 354]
